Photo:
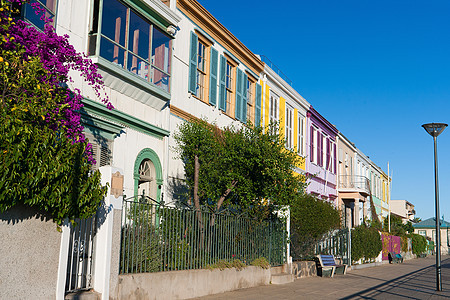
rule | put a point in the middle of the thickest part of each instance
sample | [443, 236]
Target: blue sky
[377, 70]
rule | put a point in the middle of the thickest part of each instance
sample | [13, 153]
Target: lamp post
[435, 129]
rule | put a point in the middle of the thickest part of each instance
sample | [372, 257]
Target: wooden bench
[328, 266]
[393, 257]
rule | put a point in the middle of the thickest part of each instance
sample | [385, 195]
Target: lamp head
[434, 129]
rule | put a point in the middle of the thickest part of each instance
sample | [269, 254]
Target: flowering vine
[46, 161]
[58, 58]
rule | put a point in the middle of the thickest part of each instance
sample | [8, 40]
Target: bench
[328, 266]
[395, 257]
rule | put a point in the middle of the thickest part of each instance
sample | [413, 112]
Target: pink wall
[391, 243]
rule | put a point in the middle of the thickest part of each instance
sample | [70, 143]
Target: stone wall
[304, 269]
[29, 255]
[189, 284]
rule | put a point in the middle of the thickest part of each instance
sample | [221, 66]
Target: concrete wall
[189, 284]
[29, 255]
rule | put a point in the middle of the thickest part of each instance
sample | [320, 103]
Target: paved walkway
[414, 279]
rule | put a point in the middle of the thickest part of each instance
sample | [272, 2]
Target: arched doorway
[148, 175]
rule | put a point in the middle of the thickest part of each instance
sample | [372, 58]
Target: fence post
[349, 238]
[107, 251]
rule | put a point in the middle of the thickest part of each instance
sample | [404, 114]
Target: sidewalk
[414, 279]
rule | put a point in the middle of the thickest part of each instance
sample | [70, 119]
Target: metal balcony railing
[354, 182]
[276, 69]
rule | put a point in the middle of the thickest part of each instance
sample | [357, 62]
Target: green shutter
[244, 98]
[193, 64]
[222, 87]
[238, 108]
[213, 77]
[258, 105]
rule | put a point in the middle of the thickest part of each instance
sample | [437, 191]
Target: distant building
[403, 209]
[427, 228]
[353, 190]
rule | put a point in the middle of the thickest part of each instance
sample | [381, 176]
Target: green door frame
[151, 155]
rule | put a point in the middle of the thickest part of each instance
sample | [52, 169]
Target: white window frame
[274, 107]
[289, 128]
[324, 150]
[315, 141]
[301, 135]
[332, 164]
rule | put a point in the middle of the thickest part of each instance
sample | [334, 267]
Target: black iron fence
[338, 243]
[159, 238]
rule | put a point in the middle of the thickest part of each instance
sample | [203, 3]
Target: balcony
[354, 183]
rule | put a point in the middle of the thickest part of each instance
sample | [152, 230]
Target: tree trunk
[196, 175]
[222, 198]
[197, 201]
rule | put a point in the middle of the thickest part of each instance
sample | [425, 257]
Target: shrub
[419, 244]
[260, 262]
[225, 264]
[366, 243]
[311, 218]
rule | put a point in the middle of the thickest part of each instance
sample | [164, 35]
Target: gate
[81, 249]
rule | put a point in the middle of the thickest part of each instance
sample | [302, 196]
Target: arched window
[147, 180]
[148, 175]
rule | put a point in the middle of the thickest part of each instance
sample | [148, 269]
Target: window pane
[30, 14]
[138, 66]
[113, 20]
[50, 4]
[161, 79]
[161, 47]
[139, 41]
[112, 52]
[201, 59]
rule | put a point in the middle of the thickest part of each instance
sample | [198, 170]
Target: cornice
[182, 114]
[95, 108]
[289, 90]
[202, 18]
[320, 118]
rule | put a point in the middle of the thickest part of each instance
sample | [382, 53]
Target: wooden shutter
[244, 98]
[222, 87]
[213, 76]
[258, 96]
[193, 64]
[238, 108]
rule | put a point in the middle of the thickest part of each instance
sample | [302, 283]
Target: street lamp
[435, 129]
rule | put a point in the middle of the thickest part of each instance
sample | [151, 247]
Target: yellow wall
[282, 113]
[266, 104]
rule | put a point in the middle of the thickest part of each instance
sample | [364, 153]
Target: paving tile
[414, 279]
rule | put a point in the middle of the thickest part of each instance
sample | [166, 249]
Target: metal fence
[354, 182]
[159, 238]
[338, 243]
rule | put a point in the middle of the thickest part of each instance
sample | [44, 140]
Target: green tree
[397, 226]
[246, 165]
